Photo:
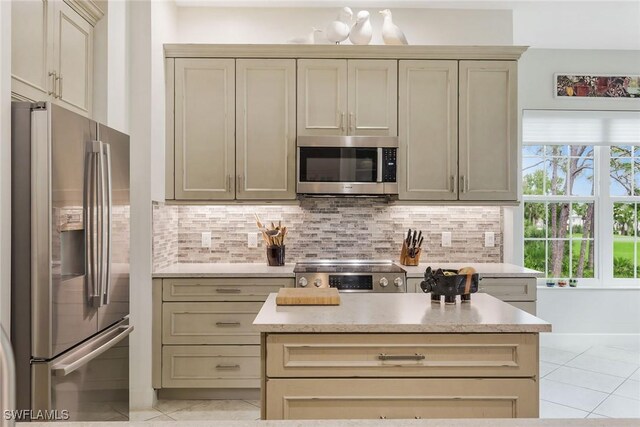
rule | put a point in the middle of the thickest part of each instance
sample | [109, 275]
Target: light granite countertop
[510, 422]
[490, 269]
[263, 270]
[225, 270]
[398, 313]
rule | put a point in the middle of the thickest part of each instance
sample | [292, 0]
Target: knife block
[406, 259]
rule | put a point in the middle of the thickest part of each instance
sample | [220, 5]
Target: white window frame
[603, 235]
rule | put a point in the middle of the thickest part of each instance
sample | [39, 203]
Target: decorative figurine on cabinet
[450, 283]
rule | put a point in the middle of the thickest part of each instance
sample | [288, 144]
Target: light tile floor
[577, 381]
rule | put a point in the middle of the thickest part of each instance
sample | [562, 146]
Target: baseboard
[625, 340]
[209, 393]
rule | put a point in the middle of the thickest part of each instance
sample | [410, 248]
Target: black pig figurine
[462, 282]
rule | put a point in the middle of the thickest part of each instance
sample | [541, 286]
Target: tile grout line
[562, 404]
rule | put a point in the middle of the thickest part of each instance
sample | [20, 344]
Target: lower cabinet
[317, 399]
[203, 335]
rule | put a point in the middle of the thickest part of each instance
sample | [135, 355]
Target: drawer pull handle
[227, 366]
[228, 291]
[227, 324]
[382, 417]
[416, 356]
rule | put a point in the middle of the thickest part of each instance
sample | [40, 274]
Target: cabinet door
[322, 97]
[265, 128]
[488, 130]
[73, 54]
[373, 97]
[428, 134]
[31, 40]
[204, 129]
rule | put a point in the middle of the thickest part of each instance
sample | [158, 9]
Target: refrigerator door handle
[102, 241]
[63, 368]
[91, 246]
[108, 229]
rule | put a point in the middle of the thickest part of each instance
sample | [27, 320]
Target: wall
[597, 314]
[5, 164]
[150, 25]
[274, 25]
[319, 228]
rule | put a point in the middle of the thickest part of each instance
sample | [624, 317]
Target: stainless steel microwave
[344, 165]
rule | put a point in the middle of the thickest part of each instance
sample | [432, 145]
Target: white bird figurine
[391, 33]
[361, 31]
[338, 31]
[308, 39]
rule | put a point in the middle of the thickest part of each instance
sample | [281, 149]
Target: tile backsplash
[324, 228]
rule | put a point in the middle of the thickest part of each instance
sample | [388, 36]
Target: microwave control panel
[389, 163]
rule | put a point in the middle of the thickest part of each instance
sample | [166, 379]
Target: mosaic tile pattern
[165, 235]
[325, 228]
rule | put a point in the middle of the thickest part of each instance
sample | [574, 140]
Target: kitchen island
[399, 356]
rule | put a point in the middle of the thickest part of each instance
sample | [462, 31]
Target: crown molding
[88, 9]
[511, 53]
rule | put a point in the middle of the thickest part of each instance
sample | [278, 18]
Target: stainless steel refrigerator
[70, 265]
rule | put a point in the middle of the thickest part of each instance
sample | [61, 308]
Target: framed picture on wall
[597, 86]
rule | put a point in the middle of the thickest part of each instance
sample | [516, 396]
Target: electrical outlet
[446, 239]
[206, 239]
[489, 239]
[252, 240]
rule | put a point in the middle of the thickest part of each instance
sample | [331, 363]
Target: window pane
[558, 258]
[556, 175]
[581, 177]
[556, 150]
[583, 258]
[533, 175]
[621, 176]
[621, 151]
[636, 173]
[558, 220]
[534, 220]
[532, 150]
[534, 254]
[582, 220]
[624, 230]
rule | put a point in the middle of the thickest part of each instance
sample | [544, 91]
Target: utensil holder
[275, 255]
[406, 258]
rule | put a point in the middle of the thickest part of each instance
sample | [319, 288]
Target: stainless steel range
[351, 275]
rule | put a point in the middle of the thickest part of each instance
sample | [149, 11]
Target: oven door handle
[64, 369]
[380, 165]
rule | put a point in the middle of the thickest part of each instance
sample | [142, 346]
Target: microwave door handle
[108, 229]
[380, 165]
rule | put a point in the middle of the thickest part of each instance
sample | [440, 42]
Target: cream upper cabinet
[322, 97]
[265, 128]
[428, 130]
[347, 97]
[372, 97]
[204, 129]
[52, 53]
[488, 130]
[32, 49]
[73, 56]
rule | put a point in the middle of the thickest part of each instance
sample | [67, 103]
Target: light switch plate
[489, 239]
[206, 239]
[252, 240]
[446, 239]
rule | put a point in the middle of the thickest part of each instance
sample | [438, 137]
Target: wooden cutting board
[301, 296]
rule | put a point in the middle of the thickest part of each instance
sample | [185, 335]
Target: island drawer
[509, 289]
[401, 355]
[209, 323]
[211, 366]
[222, 289]
[316, 399]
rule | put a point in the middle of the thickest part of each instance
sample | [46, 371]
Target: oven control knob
[398, 282]
[303, 282]
[317, 283]
[384, 282]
